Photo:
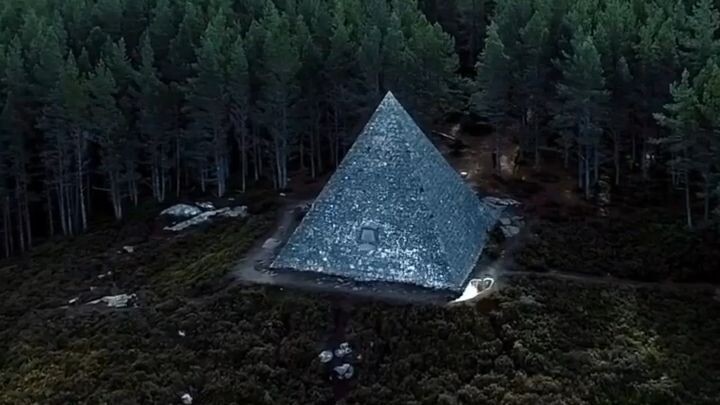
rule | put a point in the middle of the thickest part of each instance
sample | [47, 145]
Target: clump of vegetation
[648, 245]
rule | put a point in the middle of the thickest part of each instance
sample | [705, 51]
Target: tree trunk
[178, 168]
[51, 225]
[688, 209]
[596, 164]
[80, 185]
[19, 225]
[28, 224]
[243, 153]
[707, 197]
[7, 225]
[616, 157]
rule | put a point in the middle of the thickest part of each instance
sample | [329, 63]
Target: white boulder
[114, 301]
[181, 211]
[186, 399]
[510, 231]
[207, 205]
[205, 216]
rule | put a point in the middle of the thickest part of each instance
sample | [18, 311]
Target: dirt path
[262, 252]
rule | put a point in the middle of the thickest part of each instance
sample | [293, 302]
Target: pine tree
[63, 124]
[146, 93]
[16, 129]
[105, 129]
[492, 98]
[432, 70]
[707, 88]
[394, 55]
[533, 79]
[278, 93]
[584, 105]
[238, 90]
[615, 36]
[339, 68]
[700, 42]
[163, 28]
[309, 105]
[681, 118]
[657, 64]
[207, 108]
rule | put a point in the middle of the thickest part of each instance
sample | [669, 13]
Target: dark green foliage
[196, 81]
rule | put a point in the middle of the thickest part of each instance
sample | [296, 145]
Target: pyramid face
[394, 211]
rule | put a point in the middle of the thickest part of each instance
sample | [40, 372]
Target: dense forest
[126, 100]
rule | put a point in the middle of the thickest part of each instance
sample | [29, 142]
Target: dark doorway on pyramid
[394, 211]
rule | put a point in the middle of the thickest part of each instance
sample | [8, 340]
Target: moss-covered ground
[537, 341]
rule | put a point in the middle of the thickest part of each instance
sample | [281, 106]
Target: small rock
[129, 249]
[186, 399]
[344, 372]
[102, 276]
[114, 301]
[271, 243]
[510, 231]
[325, 356]
[73, 300]
[283, 195]
[181, 333]
[464, 174]
[235, 212]
[206, 205]
[505, 221]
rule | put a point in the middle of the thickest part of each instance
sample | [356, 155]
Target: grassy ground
[537, 341]
[540, 342]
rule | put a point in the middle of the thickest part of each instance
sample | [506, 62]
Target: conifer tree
[278, 92]
[207, 108]
[681, 118]
[238, 90]
[584, 105]
[146, 93]
[105, 129]
[492, 98]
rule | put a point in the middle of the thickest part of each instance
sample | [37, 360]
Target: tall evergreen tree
[238, 90]
[278, 93]
[681, 118]
[153, 135]
[105, 129]
[584, 105]
[63, 124]
[492, 98]
[207, 108]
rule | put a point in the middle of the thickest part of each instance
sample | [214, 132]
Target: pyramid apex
[389, 98]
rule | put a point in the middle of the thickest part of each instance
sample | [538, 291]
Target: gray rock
[206, 205]
[271, 243]
[186, 399]
[114, 301]
[129, 249]
[505, 221]
[205, 216]
[510, 231]
[501, 202]
[181, 211]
